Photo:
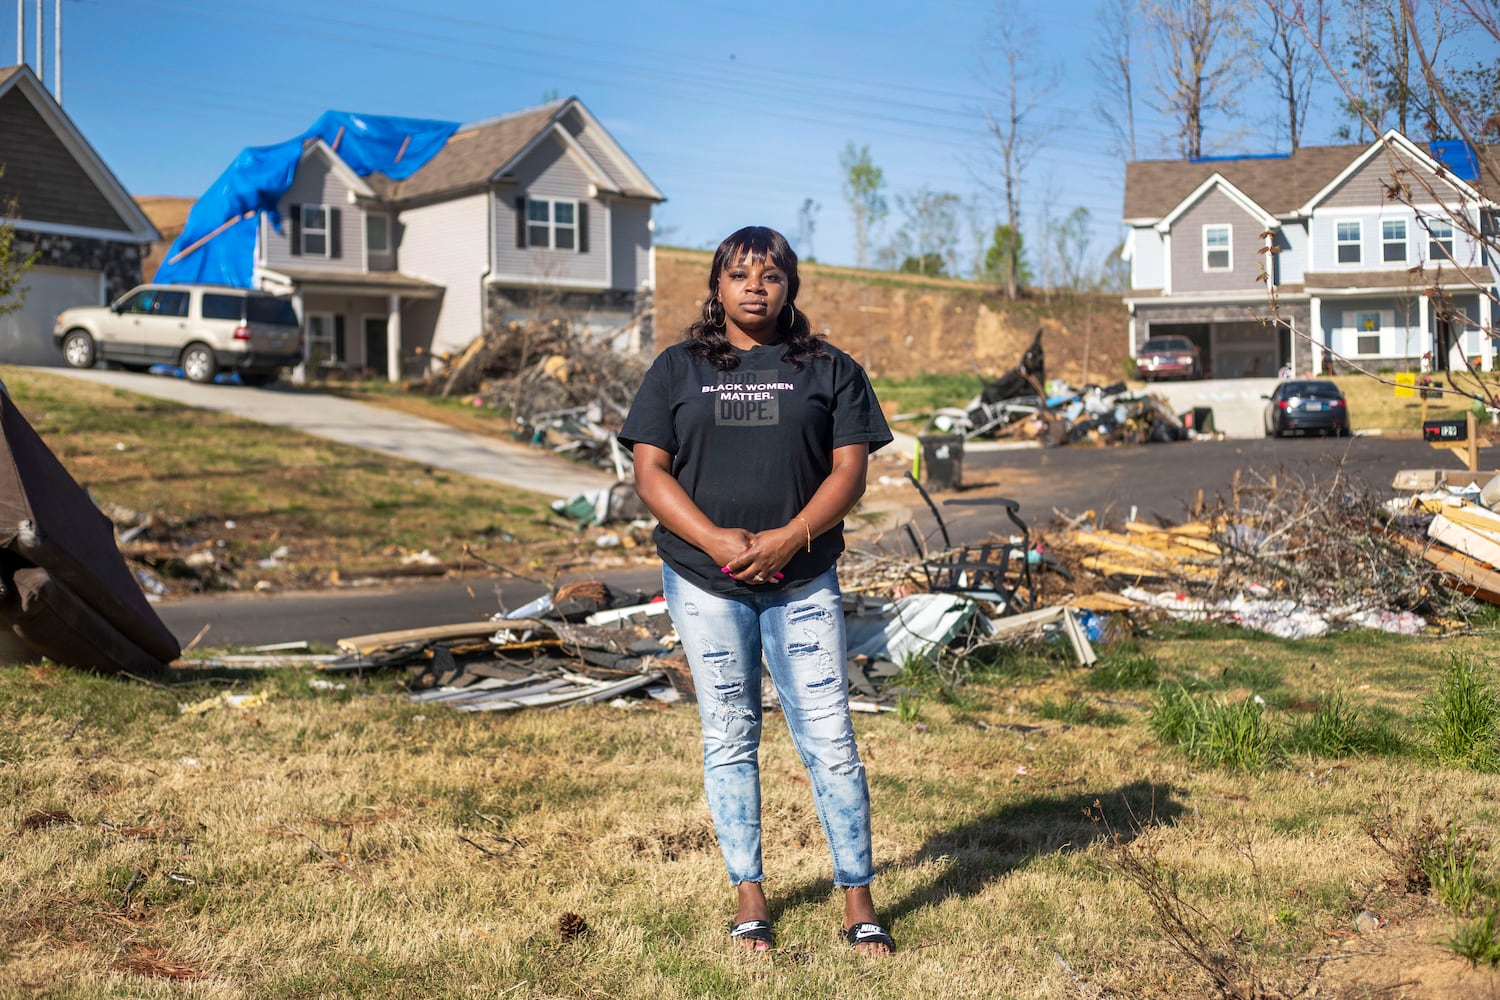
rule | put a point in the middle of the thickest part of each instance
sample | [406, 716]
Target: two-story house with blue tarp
[1306, 260]
[541, 205]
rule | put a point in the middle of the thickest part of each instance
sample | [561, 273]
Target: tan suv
[202, 329]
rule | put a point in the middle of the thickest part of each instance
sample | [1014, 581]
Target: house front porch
[377, 324]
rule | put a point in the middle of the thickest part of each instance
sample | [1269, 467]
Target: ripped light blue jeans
[800, 631]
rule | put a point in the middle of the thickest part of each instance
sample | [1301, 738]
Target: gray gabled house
[67, 206]
[1314, 240]
[538, 209]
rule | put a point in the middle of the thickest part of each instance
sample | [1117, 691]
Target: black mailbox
[1445, 430]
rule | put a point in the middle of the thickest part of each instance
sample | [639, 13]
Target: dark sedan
[1307, 405]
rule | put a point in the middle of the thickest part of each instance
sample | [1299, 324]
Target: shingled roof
[1279, 184]
[475, 152]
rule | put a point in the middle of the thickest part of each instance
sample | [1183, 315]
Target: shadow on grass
[1008, 837]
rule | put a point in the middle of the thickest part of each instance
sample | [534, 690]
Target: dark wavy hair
[706, 337]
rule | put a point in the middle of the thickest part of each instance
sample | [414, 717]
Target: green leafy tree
[927, 263]
[998, 259]
[864, 190]
[13, 263]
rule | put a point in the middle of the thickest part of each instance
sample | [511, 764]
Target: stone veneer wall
[120, 262]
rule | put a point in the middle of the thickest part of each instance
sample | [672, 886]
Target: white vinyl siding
[630, 243]
[1148, 258]
[448, 243]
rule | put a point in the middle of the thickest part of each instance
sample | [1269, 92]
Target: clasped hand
[754, 557]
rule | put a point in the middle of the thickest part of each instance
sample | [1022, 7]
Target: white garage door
[26, 335]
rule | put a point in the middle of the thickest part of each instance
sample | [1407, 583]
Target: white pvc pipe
[39, 18]
[57, 51]
[20, 32]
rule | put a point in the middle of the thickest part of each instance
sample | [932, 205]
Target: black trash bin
[942, 461]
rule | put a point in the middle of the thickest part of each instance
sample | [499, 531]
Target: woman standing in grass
[751, 441]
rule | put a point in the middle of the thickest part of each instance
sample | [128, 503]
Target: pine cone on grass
[571, 926]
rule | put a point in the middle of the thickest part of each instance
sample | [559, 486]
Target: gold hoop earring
[793, 321]
[715, 313]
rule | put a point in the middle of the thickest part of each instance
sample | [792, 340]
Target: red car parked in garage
[1307, 405]
[1168, 357]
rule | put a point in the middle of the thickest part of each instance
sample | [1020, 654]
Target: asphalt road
[1157, 481]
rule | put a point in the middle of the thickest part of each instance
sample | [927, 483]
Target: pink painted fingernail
[780, 576]
[724, 570]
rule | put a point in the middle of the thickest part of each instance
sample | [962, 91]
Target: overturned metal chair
[997, 572]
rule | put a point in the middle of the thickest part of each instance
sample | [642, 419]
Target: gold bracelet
[808, 528]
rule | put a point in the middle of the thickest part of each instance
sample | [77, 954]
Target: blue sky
[738, 112]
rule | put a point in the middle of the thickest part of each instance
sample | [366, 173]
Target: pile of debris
[1299, 559]
[1023, 405]
[1455, 526]
[565, 389]
[588, 644]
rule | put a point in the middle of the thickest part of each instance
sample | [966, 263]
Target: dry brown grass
[360, 845]
[337, 509]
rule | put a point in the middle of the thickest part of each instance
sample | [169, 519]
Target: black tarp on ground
[48, 521]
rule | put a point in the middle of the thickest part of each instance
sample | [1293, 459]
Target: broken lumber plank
[1176, 536]
[1470, 576]
[1472, 516]
[1102, 601]
[366, 644]
[1120, 545]
[1480, 545]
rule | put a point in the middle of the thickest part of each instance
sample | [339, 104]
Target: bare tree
[807, 222]
[1199, 49]
[1291, 57]
[929, 237]
[1071, 237]
[1113, 64]
[864, 190]
[1018, 88]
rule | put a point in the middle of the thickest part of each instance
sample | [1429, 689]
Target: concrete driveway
[1237, 404]
[371, 427]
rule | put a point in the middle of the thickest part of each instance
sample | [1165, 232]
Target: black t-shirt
[751, 446]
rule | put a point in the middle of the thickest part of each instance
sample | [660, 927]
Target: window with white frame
[323, 340]
[1367, 333]
[377, 233]
[1347, 239]
[1216, 255]
[552, 223]
[1440, 241]
[314, 231]
[1393, 241]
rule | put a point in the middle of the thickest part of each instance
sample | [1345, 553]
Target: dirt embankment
[901, 325]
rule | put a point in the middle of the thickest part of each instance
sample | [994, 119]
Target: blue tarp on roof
[222, 225]
[1458, 156]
